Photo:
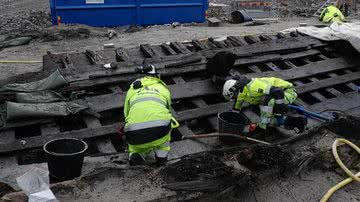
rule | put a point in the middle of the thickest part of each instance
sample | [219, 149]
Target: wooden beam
[348, 101]
[308, 70]
[179, 47]
[179, 91]
[168, 49]
[238, 40]
[104, 145]
[148, 51]
[328, 82]
[199, 45]
[39, 141]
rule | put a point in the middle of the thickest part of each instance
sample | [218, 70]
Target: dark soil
[348, 127]
[196, 167]
[5, 189]
[265, 157]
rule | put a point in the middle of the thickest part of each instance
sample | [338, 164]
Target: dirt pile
[303, 8]
[195, 168]
[5, 188]
[204, 172]
[24, 22]
[264, 157]
[347, 126]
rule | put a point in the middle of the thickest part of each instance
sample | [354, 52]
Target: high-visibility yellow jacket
[147, 107]
[331, 14]
[257, 88]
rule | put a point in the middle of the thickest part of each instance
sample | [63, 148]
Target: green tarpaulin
[55, 80]
[39, 97]
[40, 110]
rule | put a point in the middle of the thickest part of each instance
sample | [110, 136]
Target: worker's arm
[126, 103]
[279, 98]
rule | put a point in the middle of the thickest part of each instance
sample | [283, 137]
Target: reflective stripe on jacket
[148, 107]
[257, 88]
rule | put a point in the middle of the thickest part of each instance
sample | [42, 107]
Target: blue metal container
[127, 12]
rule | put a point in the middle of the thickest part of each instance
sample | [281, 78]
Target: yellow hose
[351, 175]
[19, 62]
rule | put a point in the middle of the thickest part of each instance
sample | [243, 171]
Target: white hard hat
[229, 90]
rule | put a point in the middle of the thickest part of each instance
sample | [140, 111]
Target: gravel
[24, 22]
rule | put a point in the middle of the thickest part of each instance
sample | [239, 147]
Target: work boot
[160, 161]
[292, 122]
[136, 159]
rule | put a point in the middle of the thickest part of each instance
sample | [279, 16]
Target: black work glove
[295, 122]
[160, 161]
[281, 109]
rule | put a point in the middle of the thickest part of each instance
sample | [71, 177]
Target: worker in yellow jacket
[272, 95]
[331, 14]
[148, 118]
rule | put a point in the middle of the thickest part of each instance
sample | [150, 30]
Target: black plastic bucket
[65, 158]
[231, 122]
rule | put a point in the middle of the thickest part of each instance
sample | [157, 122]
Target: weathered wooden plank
[179, 47]
[148, 51]
[218, 44]
[199, 45]
[184, 130]
[39, 141]
[317, 95]
[250, 39]
[83, 84]
[49, 129]
[104, 145]
[168, 49]
[117, 75]
[314, 79]
[179, 91]
[254, 68]
[236, 41]
[203, 112]
[7, 137]
[348, 101]
[229, 43]
[113, 101]
[328, 82]
[265, 37]
[205, 87]
[300, 54]
[309, 70]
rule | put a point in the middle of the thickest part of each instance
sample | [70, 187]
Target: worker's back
[257, 87]
[150, 102]
[331, 14]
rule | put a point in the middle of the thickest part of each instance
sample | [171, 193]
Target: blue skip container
[110, 13]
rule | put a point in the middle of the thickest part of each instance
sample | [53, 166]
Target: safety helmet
[229, 89]
[148, 69]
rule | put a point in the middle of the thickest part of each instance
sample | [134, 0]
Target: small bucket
[65, 158]
[231, 122]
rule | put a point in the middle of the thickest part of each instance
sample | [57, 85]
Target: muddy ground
[152, 35]
[108, 181]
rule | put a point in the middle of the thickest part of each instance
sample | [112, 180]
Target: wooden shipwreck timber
[324, 78]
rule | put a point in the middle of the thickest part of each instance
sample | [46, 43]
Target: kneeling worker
[271, 94]
[148, 118]
[331, 14]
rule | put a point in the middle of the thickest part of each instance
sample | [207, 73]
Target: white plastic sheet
[35, 184]
[336, 31]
